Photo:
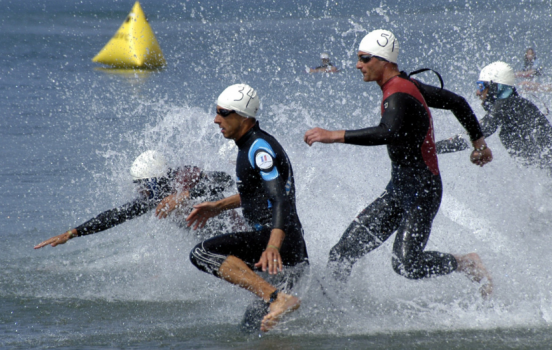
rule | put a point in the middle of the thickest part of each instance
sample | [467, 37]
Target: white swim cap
[324, 56]
[148, 165]
[241, 98]
[381, 43]
[498, 72]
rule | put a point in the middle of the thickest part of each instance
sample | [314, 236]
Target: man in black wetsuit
[412, 197]
[159, 187]
[267, 195]
[524, 130]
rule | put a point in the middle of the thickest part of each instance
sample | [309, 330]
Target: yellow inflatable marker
[134, 45]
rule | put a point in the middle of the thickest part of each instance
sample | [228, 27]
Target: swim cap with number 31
[381, 43]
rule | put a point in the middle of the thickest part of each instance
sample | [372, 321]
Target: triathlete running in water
[412, 197]
[267, 195]
[525, 132]
[159, 187]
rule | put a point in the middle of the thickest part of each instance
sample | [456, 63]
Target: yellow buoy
[134, 45]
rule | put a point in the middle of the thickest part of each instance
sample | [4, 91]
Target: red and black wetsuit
[412, 197]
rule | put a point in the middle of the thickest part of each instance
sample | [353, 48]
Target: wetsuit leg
[409, 259]
[247, 246]
[369, 230]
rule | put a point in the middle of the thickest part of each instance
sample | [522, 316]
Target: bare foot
[473, 267]
[283, 304]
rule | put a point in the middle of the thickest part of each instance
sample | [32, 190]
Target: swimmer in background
[158, 187]
[531, 66]
[530, 72]
[326, 67]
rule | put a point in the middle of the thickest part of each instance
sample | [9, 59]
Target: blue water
[69, 132]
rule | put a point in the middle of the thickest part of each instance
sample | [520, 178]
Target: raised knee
[206, 260]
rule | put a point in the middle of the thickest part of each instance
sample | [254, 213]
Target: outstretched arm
[206, 210]
[324, 136]
[59, 239]
[105, 220]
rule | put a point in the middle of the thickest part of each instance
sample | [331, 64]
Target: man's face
[529, 54]
[482, 94]
[229, 125]
[371, 70]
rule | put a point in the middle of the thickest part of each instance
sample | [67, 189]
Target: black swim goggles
[368, 58]
[482, 85]
[224, 112]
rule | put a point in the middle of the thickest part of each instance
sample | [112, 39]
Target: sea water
[70, 131]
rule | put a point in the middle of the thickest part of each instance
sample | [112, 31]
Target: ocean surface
[69, 131]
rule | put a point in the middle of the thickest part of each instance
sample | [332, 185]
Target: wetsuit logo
[264, 160]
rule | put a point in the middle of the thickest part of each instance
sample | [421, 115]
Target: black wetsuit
[267, 192]
[412, 197]
[524, 130]
[209, 185]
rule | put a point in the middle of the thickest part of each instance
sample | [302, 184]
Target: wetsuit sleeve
[398, 106]
[453, 144]
[264, 160]
[281, 207]
[445, 99]
[116, 216]
[489, 124]
[212, 184]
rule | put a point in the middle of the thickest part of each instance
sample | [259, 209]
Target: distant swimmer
[531, 65]
[325, 67]
[413, 196]
[158, 187]
[524, 130]
[530, 72]
[266, 193]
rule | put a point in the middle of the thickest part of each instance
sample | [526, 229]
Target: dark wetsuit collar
[243, 140]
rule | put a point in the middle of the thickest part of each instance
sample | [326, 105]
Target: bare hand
[57, 240]
[323, 136]
[481, 157]
[170, 203]
[270, 258]
[201, 213]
